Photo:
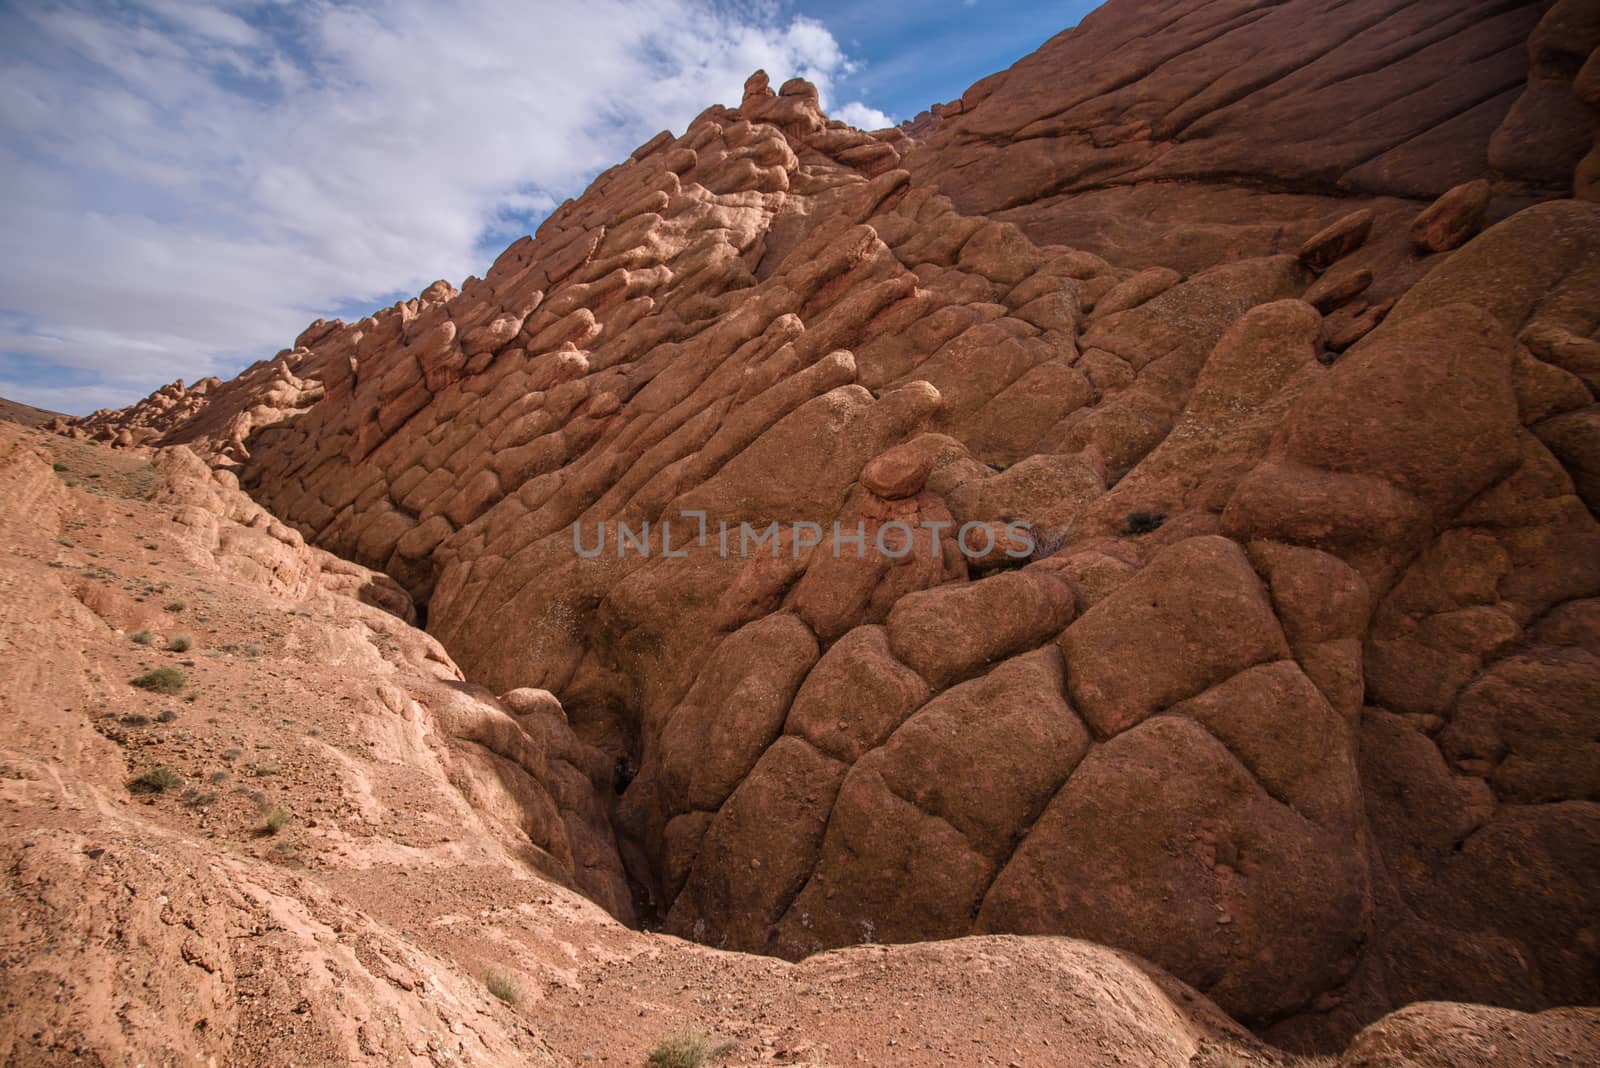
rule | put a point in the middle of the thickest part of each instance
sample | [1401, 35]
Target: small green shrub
[686, 1050]
[502, 987]
[199, 798]
[66, 542]
[177, 606]
[275, 821]
[141, 637]
[180, 644]
[166, 680]
[58, 466]
[156, 780]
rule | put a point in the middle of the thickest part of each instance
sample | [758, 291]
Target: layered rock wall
[1296, 692]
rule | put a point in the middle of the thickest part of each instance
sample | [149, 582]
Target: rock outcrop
[326, 848]
[1187, 134]
[1238, 607]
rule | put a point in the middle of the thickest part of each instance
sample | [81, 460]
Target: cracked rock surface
[1297, 693]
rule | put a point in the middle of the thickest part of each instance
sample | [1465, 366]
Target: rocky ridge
[1295, 696]
[354, 857]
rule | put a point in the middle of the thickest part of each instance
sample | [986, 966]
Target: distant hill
[25, 414]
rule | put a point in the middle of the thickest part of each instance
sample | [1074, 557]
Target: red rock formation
[1186, 134]
[1295, 694]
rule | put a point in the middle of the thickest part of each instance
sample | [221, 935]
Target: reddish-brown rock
[1134, 291]
[1293, 693]
[1336, 240]
[1224, 130]
[948, 633]
[1439, 1035]
[1336, 288]
[901, 472]
[1194, 617]
[1453, 219]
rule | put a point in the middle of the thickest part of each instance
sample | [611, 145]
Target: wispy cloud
[188, 185]
[862, 117]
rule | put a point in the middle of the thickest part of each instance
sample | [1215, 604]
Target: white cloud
[862, 117]
[189, 185]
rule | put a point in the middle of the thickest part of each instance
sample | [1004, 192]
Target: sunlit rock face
[1282, 665]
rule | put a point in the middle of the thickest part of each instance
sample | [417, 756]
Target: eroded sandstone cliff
[1296, 694]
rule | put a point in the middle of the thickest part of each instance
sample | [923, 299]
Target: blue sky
[189, 183]
[913, 55]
